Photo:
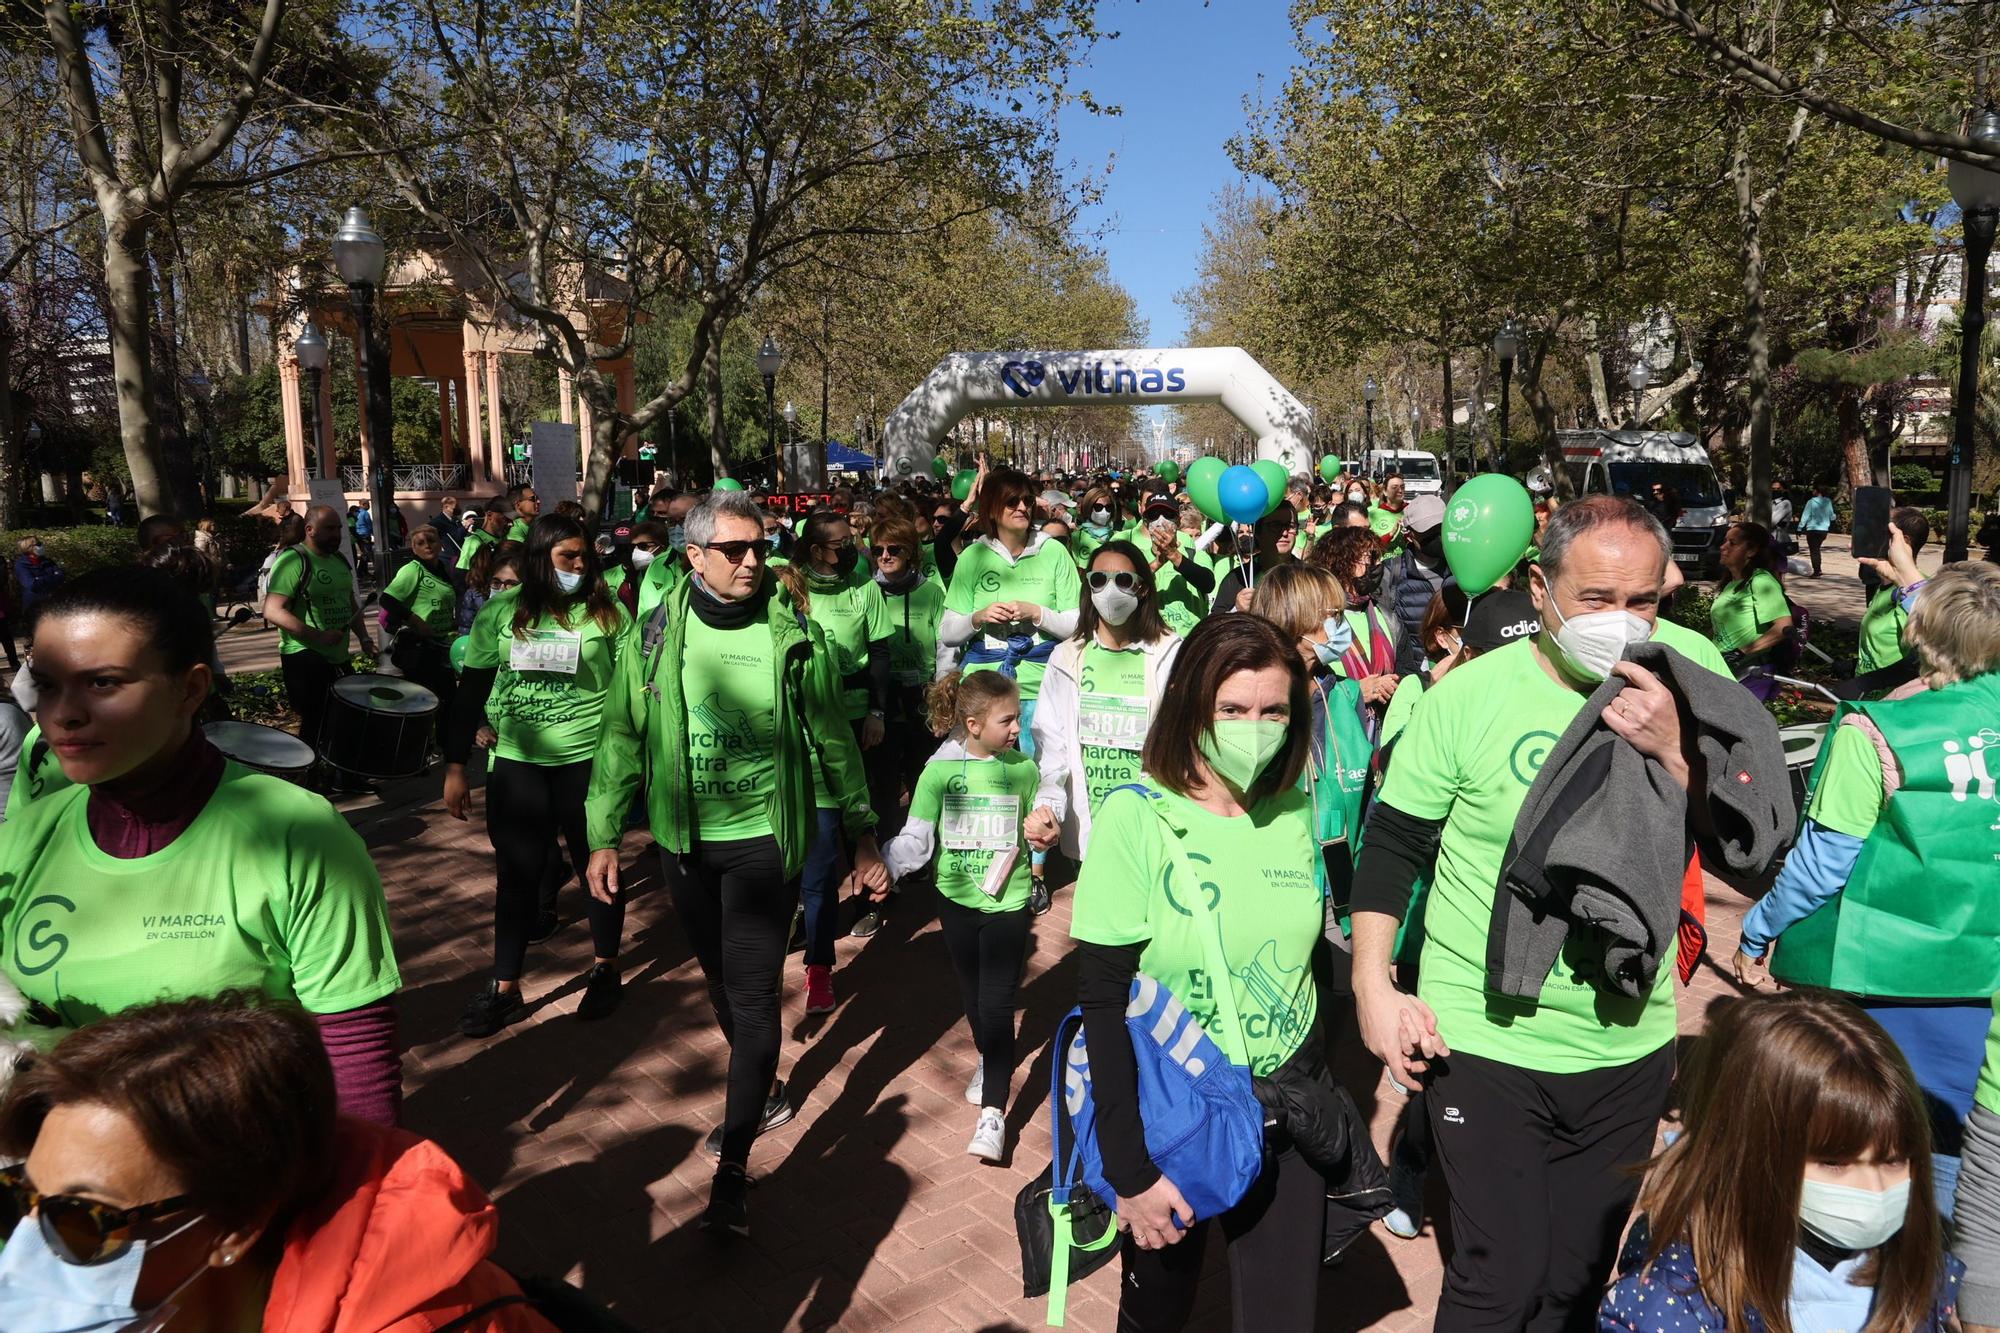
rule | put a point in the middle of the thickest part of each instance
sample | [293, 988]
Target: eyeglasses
[503, 584]
[895, 552]
[1101, 578]
[735, 552]
[80, 1231]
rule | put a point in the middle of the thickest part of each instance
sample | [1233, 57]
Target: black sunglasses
[80, 1231]
[1125, 579]
[879, 551]
[734, 552]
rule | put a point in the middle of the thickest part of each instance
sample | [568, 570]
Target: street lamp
[1506, 346]
[1977, 190]
[791, 426]
[360, 257]
[1639, 376]
[311, 349]
[770, 361]
[1368, 392]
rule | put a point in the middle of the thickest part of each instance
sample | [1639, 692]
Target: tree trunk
[11, 478]
[1593, 364]
[177, 450]
[1545, 417]
[1855, 465]
[128, 319]
[717, 438]
[1756, 337]
[602, 447]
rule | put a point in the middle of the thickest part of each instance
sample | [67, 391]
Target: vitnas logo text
[1024, 377]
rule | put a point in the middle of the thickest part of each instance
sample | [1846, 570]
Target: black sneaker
[728, 1202]
[1039, 899]
[601, 991]
[490, 1010]
[867, 923]
[545, 926]
[778, 1110]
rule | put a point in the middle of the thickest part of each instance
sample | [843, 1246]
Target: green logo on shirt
[1529, 754]
[989, 582]
[38, 932]
[1209, 889]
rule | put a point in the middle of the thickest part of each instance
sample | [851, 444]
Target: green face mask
[1238, 751]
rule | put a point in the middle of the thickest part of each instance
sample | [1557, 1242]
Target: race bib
[552, 650]
[1115, 721]
[974, 823]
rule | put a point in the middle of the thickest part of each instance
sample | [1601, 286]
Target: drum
[379, 726]
[1801, 753]
[266, 749]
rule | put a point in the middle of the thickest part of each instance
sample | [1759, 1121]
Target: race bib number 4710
[974, 823]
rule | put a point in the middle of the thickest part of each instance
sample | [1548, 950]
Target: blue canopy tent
[843, 458]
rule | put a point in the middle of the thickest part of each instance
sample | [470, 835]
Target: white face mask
[1114, 605]
[1593, 643]
[1359, 497]
[642, 557]
[1854, 1219]
[567, 581]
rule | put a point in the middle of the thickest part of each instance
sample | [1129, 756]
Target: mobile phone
[1871, 522]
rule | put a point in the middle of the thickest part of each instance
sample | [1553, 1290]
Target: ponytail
[959, 695]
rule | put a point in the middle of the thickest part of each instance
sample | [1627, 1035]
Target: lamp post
[1506, 346]
[1977, 190]
[1416, 426]
[1368, 392]
[312, 352]
[1639, 376]
[791, 426]
[770, 361]
[359, 256]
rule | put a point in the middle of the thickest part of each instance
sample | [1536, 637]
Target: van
[1418, 468]
[1630, 463]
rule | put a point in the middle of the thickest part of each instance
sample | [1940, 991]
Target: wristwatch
[878, 713]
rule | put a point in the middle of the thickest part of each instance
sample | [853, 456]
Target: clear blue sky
[1180, 70]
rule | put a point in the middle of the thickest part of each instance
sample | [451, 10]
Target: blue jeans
[820, 891]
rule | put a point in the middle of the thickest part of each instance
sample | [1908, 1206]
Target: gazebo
[444, 322]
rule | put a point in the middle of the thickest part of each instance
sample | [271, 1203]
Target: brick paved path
[866, 1214]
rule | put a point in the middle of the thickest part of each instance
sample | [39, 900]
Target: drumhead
[385, 694]
[1802, 743]
[266, 749]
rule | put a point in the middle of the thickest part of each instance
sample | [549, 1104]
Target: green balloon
[1168, 470]
[961, 485]
[1487, 528]
[1329, 468]
[1276, 479]
[939, 468]
[458, 647]
[1202, 476]
[728, 484]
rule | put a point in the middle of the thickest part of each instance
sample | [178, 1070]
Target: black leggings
[736, 906]
[527, 805]
[987, 949]
[1813, 543]
[1274, 1252]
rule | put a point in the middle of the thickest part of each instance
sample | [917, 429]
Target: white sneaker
[989, 1141]
[1401, 1224]
[976, 1090]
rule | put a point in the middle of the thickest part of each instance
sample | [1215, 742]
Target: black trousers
[527, 807]
[736, 906]
[1814, 540]
[1274, 1239]
[1540, 1171]
[308, 677]
[427, 662]
[987, 950]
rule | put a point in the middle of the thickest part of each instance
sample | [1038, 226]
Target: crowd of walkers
[1289, 775]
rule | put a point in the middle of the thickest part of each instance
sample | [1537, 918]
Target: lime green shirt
[978, 807]
[475, 541]
[726, 687]
[1696, 647]
[320, 589]
[666, 569]
[913, 631]
[549, 693]
[1264, 898]
[1112, 715]
[1401, 704]
[430, 598]
[1848, 795]
[1470, 754]
[517, 531]
[1045, 576]
[1745, 608]
[268, 889]
[851, 611]
[1882, 631]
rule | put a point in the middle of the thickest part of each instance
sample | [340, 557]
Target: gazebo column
[444, 422]
[565, 395]
[496, 446]
[297, 479]
[328, 459]
[361, 421]
[475, 439]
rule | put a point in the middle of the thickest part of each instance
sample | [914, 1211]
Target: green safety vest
[1337, 790]
[1919, 918]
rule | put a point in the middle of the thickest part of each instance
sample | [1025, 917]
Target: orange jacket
[398, 1244]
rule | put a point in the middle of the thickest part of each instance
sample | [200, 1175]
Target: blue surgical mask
[567, 581]
[1339, 638]
[41, 1293]
[677, 537]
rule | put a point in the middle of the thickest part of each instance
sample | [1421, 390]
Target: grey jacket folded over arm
[1601, 843]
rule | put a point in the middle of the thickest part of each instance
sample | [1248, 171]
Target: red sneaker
[819, 989]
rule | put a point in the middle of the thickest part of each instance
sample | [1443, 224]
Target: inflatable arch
[1129, 377]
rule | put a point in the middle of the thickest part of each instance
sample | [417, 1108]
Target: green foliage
[77, 550]
[1913, 477]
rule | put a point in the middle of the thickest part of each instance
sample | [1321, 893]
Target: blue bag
[1204, 1125]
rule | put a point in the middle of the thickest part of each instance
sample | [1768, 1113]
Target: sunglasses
[80, 1231]
[1102, 578]
[1019, 502]
[645, 546]
[894, 552]
[735, 552]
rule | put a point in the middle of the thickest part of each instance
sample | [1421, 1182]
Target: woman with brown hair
[1220, 798]
[1798, 1196]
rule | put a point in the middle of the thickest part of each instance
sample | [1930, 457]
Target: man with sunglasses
[1276, 536]
[730, 712]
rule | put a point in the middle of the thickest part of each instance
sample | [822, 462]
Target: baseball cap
[1161, 507]
[1501, 617]
[1053, 499]
[1423, 513]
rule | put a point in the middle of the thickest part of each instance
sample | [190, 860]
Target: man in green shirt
[311, 601]
[1539, 1107]
[492, 527]
[527, 507]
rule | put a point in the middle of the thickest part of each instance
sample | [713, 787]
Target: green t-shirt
[1045, 575]
[978, 807]
[1401, 704]
[38, 776]
[1468, 758]
[1988, 1092]
[268, 889]
[517, 531]
[1111, 717]
[913, 631]
[1745, 608]
[474, 540]
[851, 611]
[1694, 646]
[321, 593]
[1847, 795]
[1264, 898]
[549, 693]
[1882, 631]
[430, 598]
[727, 684]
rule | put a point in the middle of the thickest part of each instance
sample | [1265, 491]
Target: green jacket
[643, 740]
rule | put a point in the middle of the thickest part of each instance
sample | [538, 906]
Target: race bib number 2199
[554, 650]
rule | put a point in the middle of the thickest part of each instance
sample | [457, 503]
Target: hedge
[100, 546]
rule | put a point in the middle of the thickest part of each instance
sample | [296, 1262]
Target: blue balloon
[1243, 494]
